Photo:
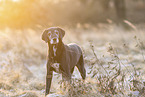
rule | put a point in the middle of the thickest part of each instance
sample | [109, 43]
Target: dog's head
[53, 35]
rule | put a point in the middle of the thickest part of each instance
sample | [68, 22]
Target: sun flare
[15, 0]
[11, 0]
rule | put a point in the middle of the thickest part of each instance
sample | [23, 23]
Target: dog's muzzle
[54, 41]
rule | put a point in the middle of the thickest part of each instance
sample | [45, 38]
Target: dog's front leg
[48, 78]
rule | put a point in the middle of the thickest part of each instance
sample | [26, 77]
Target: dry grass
[114, 59]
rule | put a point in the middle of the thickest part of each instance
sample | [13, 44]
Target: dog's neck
[55, 51]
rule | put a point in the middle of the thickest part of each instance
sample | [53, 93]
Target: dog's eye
[56, 32]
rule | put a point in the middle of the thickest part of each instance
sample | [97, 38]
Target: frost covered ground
[114, 59]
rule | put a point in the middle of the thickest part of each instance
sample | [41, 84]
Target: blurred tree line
[27, 13]
[119, 6]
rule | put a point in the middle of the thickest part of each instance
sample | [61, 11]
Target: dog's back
[75, 48]
[74, 53]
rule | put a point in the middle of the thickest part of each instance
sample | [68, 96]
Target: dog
[61, 58]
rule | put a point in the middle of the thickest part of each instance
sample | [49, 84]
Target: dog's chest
[56, 67]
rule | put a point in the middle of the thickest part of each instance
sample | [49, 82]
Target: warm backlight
[10, 0]
[15, 0]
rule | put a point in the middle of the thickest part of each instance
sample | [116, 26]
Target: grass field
[114, 60]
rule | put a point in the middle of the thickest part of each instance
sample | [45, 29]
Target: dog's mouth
[54, 41]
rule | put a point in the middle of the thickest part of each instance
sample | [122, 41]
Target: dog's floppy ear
[62, 32]
[44, 36]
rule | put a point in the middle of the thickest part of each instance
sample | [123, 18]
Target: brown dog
[61, 58]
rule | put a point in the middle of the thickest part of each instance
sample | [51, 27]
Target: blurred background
[110, 33]
[27, 13]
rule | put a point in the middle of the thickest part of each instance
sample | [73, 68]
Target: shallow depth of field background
[114, 48]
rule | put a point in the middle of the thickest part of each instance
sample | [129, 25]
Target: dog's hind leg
[81, 67]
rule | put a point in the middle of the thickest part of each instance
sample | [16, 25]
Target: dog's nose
[54, 39]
